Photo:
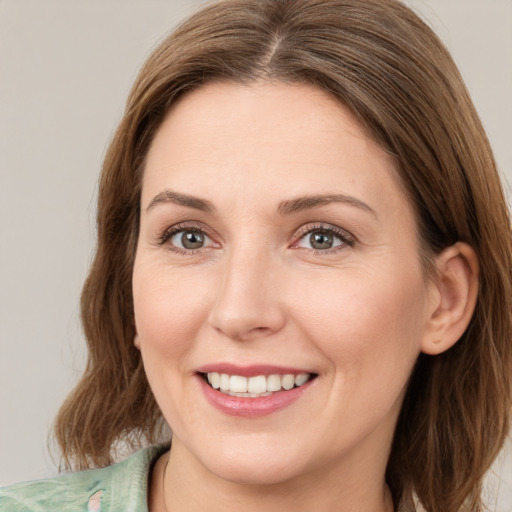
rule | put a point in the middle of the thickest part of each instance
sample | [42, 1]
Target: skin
[257, 292]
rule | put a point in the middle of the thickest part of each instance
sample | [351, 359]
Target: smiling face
[276, 249]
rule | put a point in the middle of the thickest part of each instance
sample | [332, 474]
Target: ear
[453, 302]
[136, 341]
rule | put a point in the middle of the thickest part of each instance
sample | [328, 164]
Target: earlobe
[136, 341]
[456, 286]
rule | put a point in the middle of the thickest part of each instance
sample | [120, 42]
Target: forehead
[271, 139]
[256, 113]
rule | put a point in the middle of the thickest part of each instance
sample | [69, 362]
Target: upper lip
[250, 370]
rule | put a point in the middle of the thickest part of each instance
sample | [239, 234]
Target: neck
[181, 483]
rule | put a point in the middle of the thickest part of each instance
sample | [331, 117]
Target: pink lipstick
[255, 390]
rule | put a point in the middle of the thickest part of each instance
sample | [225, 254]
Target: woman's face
[276, 249]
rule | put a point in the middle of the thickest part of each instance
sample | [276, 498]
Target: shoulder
[122, 486]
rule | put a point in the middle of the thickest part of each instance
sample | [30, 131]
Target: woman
[303, 267]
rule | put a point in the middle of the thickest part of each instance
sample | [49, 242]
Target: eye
[185, 238]
[325, 238]
[190, 239]
[320, 240]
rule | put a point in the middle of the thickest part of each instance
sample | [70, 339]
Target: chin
[255, 473]
[261, 465]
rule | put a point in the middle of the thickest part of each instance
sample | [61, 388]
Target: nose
[248, 300]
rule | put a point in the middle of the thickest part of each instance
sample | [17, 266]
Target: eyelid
[169, 232]
[346, 237]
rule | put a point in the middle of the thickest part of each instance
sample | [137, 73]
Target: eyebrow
[287, 207]
[168, 196]
[307, 202]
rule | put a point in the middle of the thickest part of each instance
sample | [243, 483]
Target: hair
[378, 58]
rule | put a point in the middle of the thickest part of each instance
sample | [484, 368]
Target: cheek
[169, 312]
[169, 309]
[368, 325]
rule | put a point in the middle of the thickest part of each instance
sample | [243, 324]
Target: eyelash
[347, 240]
[177, 228]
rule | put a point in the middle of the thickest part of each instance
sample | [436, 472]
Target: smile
[253, 391]
[256, 386]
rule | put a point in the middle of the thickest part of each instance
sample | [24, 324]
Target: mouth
[255, 386]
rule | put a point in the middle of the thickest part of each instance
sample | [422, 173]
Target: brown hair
[388, 67]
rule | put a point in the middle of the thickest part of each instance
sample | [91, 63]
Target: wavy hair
[378, 58]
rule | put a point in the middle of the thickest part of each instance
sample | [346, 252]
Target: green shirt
[122, 487]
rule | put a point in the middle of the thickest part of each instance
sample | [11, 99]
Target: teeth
[247, 395]
[257, 384]
[224, 382]
[300, 379]
[238, 384]
[260, 385]
[273, 382]
[288, 381]
[214, 380]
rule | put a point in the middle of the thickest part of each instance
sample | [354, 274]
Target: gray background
[65, 70]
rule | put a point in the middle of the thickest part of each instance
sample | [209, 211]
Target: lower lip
[252, 407]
